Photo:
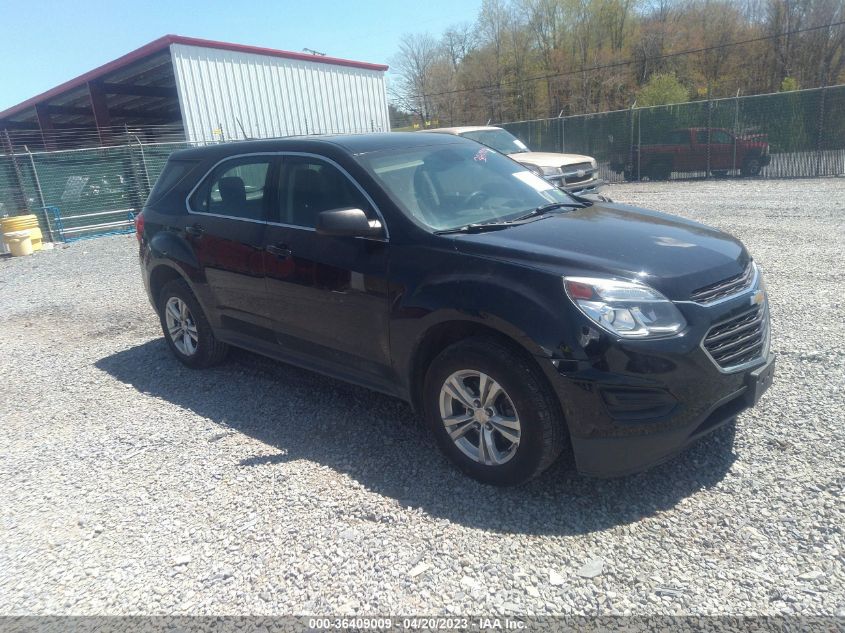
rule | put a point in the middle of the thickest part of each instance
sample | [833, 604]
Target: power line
[627, 62]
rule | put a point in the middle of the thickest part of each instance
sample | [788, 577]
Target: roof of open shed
[64, 92]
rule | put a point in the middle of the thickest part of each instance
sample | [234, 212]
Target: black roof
[353, 143]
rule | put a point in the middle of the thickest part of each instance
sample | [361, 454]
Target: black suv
[518, 319]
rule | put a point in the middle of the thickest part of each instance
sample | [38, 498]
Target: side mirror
[347, 223]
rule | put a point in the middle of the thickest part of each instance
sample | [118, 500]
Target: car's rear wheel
[492, 412]
[186, 328]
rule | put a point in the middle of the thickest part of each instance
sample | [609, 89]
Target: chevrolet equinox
[521, 321]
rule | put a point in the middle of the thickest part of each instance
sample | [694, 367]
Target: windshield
[448, 186]
[499, 140]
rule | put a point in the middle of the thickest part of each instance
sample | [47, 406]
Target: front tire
[492, 413]
[751, 167]
[186, 329]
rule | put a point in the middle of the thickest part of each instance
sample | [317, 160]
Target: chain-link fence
[86, 192]
[784, 135]
[82, 192]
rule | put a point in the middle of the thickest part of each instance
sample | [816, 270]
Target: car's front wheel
[492, 412]
[751, 167]
[186, 328]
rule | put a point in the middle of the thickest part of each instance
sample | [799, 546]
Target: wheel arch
[445, 333]
[162, 274]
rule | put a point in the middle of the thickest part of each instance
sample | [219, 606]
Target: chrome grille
[570, 172]
[739, 341]
[725, 288]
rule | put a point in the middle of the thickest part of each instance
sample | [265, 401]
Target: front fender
[513, 302]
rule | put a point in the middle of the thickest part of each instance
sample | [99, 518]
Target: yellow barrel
[19, 243]
[15, 223]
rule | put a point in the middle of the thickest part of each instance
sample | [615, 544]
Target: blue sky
[48, 42]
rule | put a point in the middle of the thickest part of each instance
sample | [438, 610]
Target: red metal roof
[163, 43]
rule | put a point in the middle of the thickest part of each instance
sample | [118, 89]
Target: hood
[550, 159]
[673, 255]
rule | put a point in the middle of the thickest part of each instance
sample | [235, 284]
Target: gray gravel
[133, 485]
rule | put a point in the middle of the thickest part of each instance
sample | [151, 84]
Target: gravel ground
[131, 485]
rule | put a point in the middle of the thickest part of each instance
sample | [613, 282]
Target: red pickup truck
[686, 150]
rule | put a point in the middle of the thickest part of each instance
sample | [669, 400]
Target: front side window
[446, 187]
[500, 140]
[309, 186]
[236, 189]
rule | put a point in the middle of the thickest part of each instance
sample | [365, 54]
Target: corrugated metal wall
[273, 96]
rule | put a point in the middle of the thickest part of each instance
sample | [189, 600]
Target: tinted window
[236, 188]
[309, 185]
[173, 172]
[447, 187]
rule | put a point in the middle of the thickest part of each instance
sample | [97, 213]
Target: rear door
[327, 296]
[226, 224]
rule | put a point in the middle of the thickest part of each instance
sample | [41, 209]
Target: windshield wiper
[476, 228]
[545, 208]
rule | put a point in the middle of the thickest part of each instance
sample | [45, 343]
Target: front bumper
[588, 185]
[632, 404]
[619, 456]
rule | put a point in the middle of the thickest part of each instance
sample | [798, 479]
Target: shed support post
[21, 201]
[100, 108]
[45, 124]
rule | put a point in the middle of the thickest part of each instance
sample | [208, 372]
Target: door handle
[278, 249]
[195, 229]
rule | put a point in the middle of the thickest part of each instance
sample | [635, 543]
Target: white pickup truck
[572, 172]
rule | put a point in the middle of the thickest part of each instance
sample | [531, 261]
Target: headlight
[626, 308]
[552, 171]
[594, 163]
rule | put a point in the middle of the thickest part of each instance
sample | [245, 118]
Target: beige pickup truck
[571, 172]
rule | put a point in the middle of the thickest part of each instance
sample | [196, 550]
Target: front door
[226, 228]
[327, 296]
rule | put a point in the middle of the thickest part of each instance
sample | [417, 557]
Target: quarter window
[309, 186]
[236, 188]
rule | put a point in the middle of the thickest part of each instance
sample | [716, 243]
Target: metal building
[200, 90]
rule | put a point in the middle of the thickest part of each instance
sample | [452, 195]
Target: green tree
[662, 89]
[789, 84]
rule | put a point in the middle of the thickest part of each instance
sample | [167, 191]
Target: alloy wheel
[181, 326]
[480, 417]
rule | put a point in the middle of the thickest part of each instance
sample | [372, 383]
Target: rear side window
[173, 173]
[236, 188]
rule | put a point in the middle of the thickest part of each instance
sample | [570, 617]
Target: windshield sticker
[519, 144]
[534, 180]
[481, 155]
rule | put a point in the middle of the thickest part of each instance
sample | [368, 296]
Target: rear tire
[520, 426]
[186, 329]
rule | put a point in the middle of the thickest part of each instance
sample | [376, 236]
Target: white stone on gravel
[592, 568]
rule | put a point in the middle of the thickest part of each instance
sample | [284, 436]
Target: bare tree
[415, 65]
